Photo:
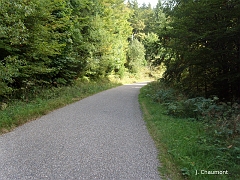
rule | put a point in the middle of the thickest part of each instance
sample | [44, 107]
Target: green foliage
[32, 39]
[135, 56]
[53, 42]
[149, 26]
[204, 45]
[150, 43]
[197, 134]
[136, 22]
[224, 116]
[103, 35]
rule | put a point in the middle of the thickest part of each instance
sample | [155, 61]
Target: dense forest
[46, 43]
[197, 41]
[202, 39]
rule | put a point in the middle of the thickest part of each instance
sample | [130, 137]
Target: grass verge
[18, 112]
[183, 144]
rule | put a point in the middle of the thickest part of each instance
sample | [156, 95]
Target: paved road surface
[99, 137]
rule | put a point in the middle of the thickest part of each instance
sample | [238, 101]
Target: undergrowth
[197, 133]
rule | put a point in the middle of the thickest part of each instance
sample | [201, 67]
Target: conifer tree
[204, 40]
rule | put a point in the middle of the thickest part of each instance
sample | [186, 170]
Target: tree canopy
[203, 39]
[54, 42]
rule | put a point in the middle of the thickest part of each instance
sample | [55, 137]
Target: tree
[20, 45]
[204, 41]
[108, 35]
[136, 56]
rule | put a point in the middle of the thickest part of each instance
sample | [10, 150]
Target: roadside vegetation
[40, 102]
[193, 113]
[34, 103]
[192, 133]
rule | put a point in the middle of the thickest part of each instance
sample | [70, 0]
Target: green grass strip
[19, 112]
[183, 149]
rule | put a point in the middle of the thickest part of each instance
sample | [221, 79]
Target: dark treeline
[202, 44]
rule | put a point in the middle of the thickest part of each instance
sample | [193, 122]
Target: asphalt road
[100, 137]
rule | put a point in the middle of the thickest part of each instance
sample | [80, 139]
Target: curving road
[100, 137]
